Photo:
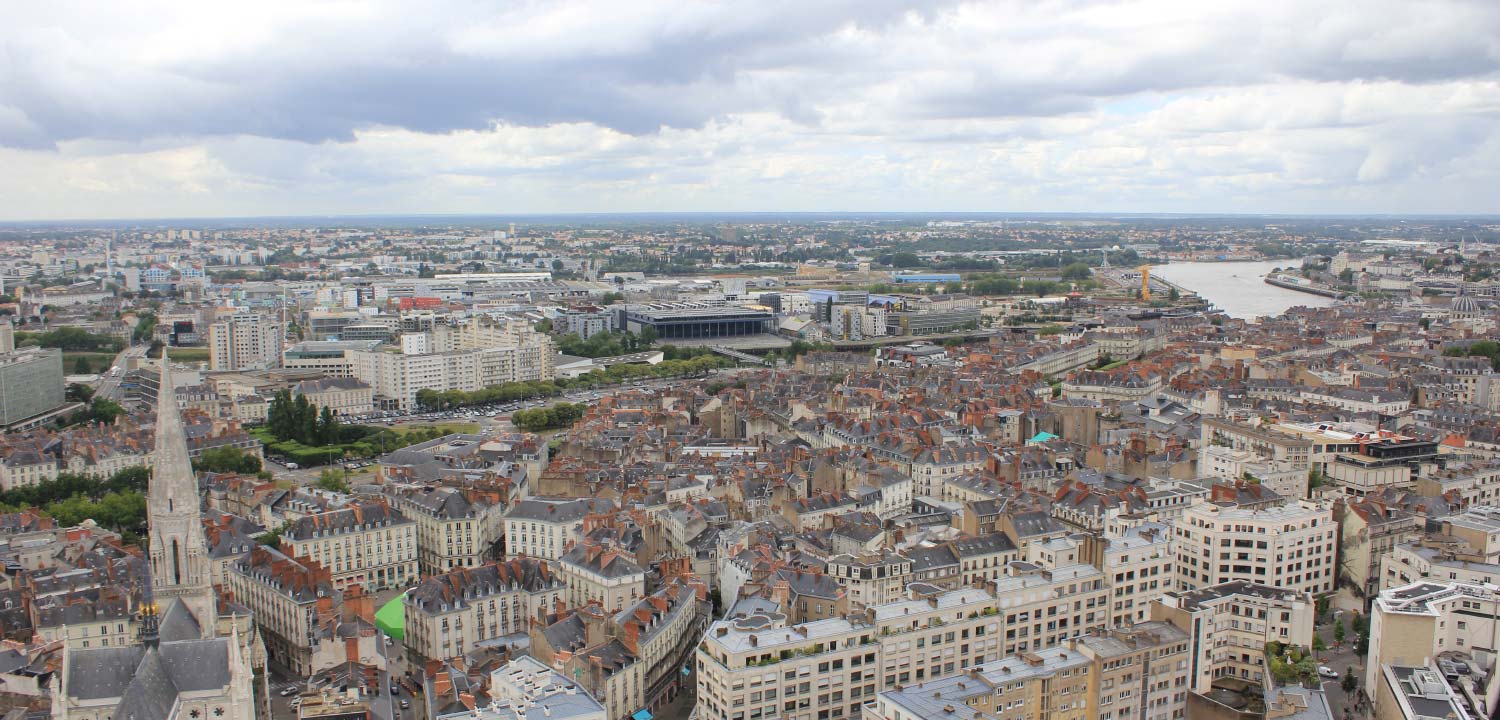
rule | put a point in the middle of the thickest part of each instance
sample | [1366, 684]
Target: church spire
[180, 567]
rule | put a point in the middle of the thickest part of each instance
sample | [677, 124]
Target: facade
[832, 667]
[450, 614]
[397, 377]
[1290, 546]
[31, 384]
[1138, 672]
[1417, 624]
[245, 341]
[548, 527]
[345, 396]
[686, 321]
[366, 543]
[599, 573]
[1053, 685]
[284, 595]
[1230, 624]
[1139, 565]
[454, 529]
[328, 357]
[1369, 532]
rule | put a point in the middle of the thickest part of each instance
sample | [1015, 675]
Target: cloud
[166, 108]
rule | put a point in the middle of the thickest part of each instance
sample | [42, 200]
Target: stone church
[191, 662]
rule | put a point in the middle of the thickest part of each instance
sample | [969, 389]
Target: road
[1340, 659]
[109, 385]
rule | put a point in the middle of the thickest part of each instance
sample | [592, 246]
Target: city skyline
[183, 111]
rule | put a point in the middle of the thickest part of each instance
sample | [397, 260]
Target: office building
[684, 321]
[31, 385]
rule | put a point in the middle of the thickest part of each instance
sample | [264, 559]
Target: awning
[641, 715]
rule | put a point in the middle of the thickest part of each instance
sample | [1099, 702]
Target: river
[1238, 288]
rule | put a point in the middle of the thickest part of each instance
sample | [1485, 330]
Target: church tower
[180, 567]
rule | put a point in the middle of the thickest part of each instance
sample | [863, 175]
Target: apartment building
[1289, 546]
[1433, 623]
[871, 579]
[1467, 551]
[31, 386]
[547, 527]
[397, 377]
[450, 614]
[831, 667]
[283, 594]
[1138, 672]
[344, 396]
[1139, 565]
[366, 543]
[1369, 531]
[455, 528]
[596, 572]
[245, 341]
[1230, 624]
[1266, 442]
[1054, 684]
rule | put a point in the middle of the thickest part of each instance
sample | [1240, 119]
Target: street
[109, 382]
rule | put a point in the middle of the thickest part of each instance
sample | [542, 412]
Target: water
[1239, 288]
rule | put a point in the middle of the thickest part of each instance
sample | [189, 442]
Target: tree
[332, 480]
[78, 392]
[1075, 271]
[1173, 294]
[1362, 644]
[1338, 631]
[81, 366]
[1346, 276]
[105, 411]
[1350, 683]
[227, 460]
[1318, 644]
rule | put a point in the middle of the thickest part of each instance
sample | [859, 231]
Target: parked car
[289, 691]
[1327, 672]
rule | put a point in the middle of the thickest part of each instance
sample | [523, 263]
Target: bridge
[737, 355]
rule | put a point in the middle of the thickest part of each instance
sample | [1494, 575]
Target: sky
[192, 109]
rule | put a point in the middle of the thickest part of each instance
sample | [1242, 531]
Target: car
[289, 691]
[395, 690]
[1327, 672]
[291, 466]
[405, 704]
[295, 703]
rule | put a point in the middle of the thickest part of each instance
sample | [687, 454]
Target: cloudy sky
[149, 109]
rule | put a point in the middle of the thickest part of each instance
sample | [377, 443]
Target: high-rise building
[31, 384]
[245, 341]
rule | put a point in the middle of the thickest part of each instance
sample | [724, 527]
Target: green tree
[1075, 271]
[81, 366]
[332, 480]
[1350, 683]
[105, 411]
[1318, 644]
[227, 460]
[78, 392]
[1346, 276]
[1338, 631]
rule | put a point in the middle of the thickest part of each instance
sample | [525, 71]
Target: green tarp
[391, 618]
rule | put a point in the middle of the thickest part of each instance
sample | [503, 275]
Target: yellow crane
[1146, 283]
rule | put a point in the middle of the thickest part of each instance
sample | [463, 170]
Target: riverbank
[1282, 281]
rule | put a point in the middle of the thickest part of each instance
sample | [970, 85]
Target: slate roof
[147, 679]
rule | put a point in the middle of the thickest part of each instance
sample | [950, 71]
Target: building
[684, 321]
[525, 688]
[245, 341]
[548, 527]
[1369, 531]
[182, 666]
[366, 543]
[600, 573]
[833, 666]
[632, 660]
[1433, 625]
[31, 385]
[455, 528]
[328, 357]
[284, 594]
[345, 396]
[398, 377]
[450, 614]
[1139, 565]
[1230, 624]
[1138, 672]
[1289, 546]
[1053, 685]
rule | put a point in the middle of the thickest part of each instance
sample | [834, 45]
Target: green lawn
[188, 354]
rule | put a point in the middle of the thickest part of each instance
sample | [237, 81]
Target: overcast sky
[147, 109]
